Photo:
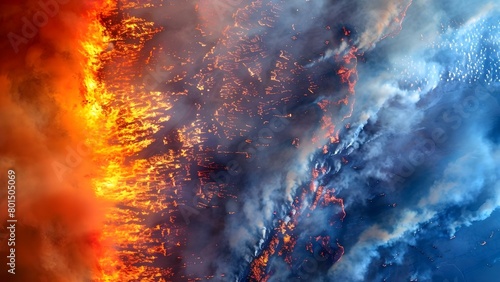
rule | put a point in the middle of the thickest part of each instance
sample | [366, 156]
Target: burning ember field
[210, 140]
[173, 117]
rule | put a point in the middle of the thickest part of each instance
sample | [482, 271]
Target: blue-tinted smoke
[427, 139]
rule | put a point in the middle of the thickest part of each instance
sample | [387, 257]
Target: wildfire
[98, 125]
[124, 118]
[143, 110]
[118, 126]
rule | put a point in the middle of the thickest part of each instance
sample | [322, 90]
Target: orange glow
[118, 126]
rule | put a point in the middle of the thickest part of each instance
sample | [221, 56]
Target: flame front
[120, 122]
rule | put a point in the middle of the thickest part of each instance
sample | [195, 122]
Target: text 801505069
[11, 221]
